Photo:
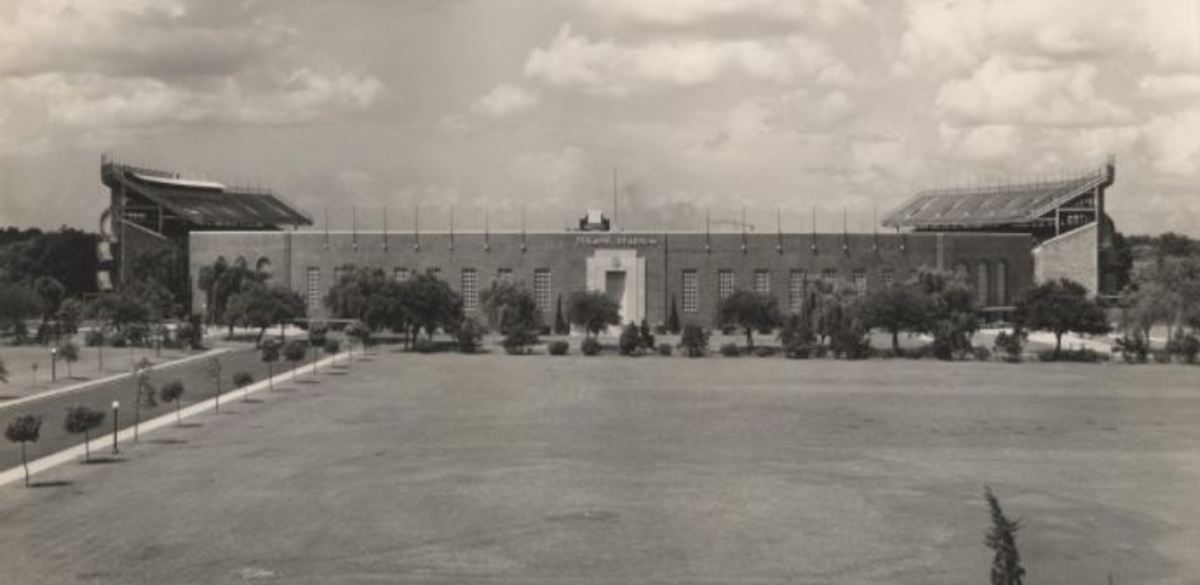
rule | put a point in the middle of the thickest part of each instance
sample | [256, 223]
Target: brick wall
[1073, 255]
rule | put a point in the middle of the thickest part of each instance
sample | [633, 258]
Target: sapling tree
[270, 354]
[316, 340]
[331, 347]
[173, 392]
[145, 393]
[295, 352]
[81, 419]
[243, 380]
[24, 429]
[1002, 538]
[214, 373]
[357, 331]
[68, 352]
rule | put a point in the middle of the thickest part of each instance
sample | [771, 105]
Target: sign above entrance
[616, 241]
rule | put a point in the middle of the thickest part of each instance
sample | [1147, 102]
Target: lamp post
[53, 364]
[116, 407]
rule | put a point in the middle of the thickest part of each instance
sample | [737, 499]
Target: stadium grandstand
[153, 209]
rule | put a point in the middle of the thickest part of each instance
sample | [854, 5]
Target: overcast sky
[509, 103]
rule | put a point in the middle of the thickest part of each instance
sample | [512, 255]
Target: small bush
[518, 341]
[694, 340]
[630, 342]
[798, 351]
[559, 347]
[820, 351]
[469, 336]
[118, 340]
[646, 335]
[242, 379]
[731, 350]
[332, 346]
[589, 346]
[1186, 346]
[1162, 357]
[1083, 355]
[93, 338]
[1010, 345]
[851, 345]
[1134, 348]
[982, 354]
[423, 345]
[664, 349]
[764, 351]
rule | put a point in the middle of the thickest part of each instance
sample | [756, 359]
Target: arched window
[981, 287]
[1001, 283]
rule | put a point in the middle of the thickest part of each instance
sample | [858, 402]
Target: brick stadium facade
[1003, 238]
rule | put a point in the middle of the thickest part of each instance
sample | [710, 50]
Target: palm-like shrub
[24, 429]
[269, 352]
[68, 352]
[173, 392]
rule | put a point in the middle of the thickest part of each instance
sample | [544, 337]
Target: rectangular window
[829, 275]
[541, 289]
[470, 289]
[434, 272]
[860, 281]
[888, 276]
[504, 275]
[762, 282]
[691, 291]
[796, 285]
[724, 283]
[312, 287]
[400, 274]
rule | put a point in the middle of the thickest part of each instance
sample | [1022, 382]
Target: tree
[469, 335]
[17, 303]
[513, 311]
[173, 392]
[69, 314]
[118, 310]
[316, 339]
[1144, 304]
[349, 297]
[81, 419]
[1002, 538]
[24, 429]
[561, 327]
[898, 308]
[270, 354]
[431, 304]
[749, 311]
[387, 309]
[68, 255]
[243, 380]
[51, 293]
[68, 352]
[360, 332]
[953, 320]
[1060, 306]
[332, 346]
[144, 392]
[673, 320]
[593, 311]
[295, 352]
[214, 373]
[262, 306]
[630, 341]
[165, 266]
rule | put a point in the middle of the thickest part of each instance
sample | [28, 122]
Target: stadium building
[1003, 238]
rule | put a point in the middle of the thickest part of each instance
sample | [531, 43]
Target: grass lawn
[500, 469]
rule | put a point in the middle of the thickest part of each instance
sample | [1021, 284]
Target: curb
[17, 474]
[90, 383]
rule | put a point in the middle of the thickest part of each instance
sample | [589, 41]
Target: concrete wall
[666, 256]
[1074, 255]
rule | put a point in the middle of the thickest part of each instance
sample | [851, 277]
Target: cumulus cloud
[687, 12]
[608, 67]
[1174, 143]
[505, 99]
[998, 92]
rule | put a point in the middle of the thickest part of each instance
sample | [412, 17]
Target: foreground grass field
[499, 469]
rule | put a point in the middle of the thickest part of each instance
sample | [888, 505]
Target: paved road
[194, 375]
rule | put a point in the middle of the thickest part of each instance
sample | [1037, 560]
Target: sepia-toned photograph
[515, 292]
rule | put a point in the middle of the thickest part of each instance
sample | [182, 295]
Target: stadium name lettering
[616, 241]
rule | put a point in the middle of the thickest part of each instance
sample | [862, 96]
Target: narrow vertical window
[724, 283]
[762, 282]
[829, 276]
[1002, 283]
[888, 277]
[470, 289]
[312, 287]
[859, 280]
[400, 274]
[691, 291]
[796, 283]
[541, 289]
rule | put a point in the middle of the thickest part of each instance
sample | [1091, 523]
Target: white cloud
[606, 67]
[505, 99]
[999, 92]
[1173, 142]
[987, 143]
[1183, 86]
[688, 12]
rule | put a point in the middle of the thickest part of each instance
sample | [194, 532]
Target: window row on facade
[469, 285]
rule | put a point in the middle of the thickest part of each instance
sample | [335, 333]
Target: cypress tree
[1006, 565]
[560, 322]
[673, 320]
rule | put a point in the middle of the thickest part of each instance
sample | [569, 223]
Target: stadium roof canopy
[210, 204]
[992, 206]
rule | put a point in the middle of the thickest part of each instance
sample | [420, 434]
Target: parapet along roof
[211, 204]
[1015, 203]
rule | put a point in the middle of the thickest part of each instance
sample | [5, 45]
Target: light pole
[53, 364]
[116, 406]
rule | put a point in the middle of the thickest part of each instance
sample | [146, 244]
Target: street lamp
[116, 407]
[53, 364]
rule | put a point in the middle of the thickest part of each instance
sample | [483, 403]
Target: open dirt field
[499, 469]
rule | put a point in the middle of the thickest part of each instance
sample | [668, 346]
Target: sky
[788, 108]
